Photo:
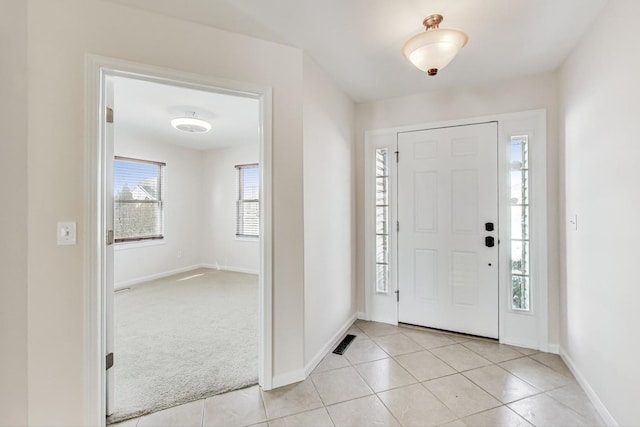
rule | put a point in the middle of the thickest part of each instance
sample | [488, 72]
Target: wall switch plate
[573, 220]
[66, 233]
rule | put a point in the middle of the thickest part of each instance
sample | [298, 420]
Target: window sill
[123, 246]
[247, 239]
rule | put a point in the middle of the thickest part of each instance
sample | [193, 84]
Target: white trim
[154, 276]
[124, 246]
[535, 122]
[231, 268]
[553, 348]
[94, 367]
[595, 400]
[361, 315]
[526, 329]
[288, 378]
[328, 346]
[377, 304]
[96, 68]
[252, 239]
[168, 273]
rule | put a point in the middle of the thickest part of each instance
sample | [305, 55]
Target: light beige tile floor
[392, 376]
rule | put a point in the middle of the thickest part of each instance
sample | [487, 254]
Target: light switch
[66, 233]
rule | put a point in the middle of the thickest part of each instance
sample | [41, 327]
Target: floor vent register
[344, 344]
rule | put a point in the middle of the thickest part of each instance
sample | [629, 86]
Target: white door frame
[517, 328]
[96, 69]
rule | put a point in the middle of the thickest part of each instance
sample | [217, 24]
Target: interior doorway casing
[97, 69]
[526, 329]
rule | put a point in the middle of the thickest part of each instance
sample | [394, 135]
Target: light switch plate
[66, 233]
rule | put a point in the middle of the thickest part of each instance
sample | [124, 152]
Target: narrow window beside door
[520, 268]
[248, 201]
[138, 200]
[382, 220]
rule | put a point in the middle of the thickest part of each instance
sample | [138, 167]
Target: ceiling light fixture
[191, 124]
[432, 50]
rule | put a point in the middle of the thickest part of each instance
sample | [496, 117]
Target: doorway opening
[163, 255]
[186, 246]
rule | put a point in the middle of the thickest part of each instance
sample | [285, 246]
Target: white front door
[448, 215]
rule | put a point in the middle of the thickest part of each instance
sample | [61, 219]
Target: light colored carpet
[182, 338]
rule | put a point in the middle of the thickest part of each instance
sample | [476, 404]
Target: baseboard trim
[288, 378]
[553, 348]
[315, 360]
[595, 400]
[155, 276]
[361, 315]
[231, 268]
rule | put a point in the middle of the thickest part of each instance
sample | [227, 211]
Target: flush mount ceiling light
[432, 50]
[191, 124]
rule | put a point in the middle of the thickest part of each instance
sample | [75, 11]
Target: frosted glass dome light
[432, 50]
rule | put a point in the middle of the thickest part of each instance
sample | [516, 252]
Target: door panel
[447, 191]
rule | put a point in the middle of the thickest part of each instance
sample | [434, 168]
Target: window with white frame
[520, 249]
[248, 200]
[138, 200]
[382, 220]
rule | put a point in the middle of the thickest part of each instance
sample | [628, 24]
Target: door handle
[489, 242]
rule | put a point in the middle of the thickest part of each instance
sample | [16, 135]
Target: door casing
[97, 69]
[526, 329]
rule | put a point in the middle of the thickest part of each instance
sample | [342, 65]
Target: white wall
[60, 34]
[200, 213]
[181, 247]
[527, 93]
[329, 240]
[13, 214]
[221, 248]
[601, 172]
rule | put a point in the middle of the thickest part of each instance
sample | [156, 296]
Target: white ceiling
[358, 42]
[144, 110]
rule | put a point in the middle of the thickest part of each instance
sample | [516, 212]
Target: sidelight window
[520, 247]
[382, 220]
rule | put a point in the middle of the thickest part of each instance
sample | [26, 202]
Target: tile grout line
[546, 393]
[542, 392]
[458, 372]
[440, 400]
[496, 397]
[491, 363]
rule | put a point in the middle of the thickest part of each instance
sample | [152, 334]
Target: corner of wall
[13, 220]
[328, 159]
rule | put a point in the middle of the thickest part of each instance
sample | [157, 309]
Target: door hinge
[397, 156]
[109, 360]
[109, 115]
[109, 237]
[397, 292]
[398, 226]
